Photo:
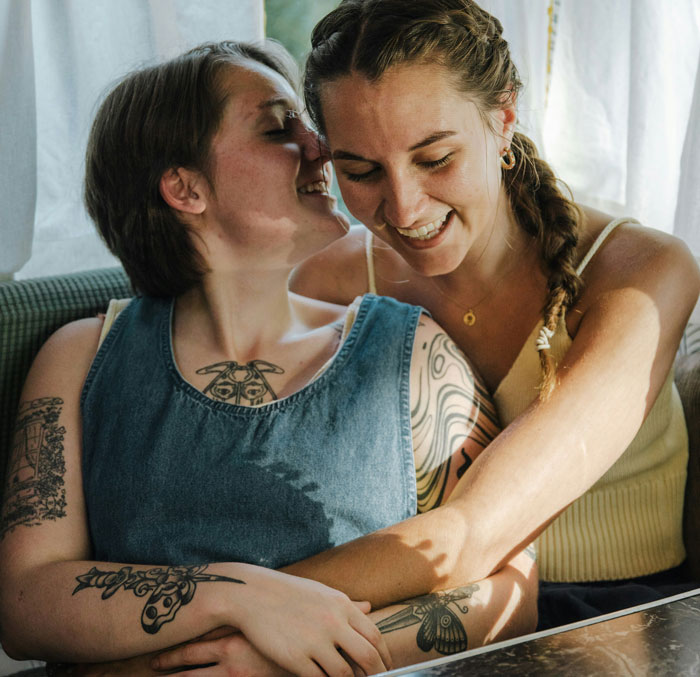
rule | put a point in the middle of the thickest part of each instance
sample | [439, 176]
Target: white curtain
[612, 98]
[59, 57]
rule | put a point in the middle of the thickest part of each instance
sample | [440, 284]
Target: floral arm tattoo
[34, 488]
[451, 400]
[168, 589]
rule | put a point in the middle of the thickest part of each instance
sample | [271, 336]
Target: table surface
[661, 638]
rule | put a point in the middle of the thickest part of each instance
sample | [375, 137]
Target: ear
[182, 189]
[506, 117]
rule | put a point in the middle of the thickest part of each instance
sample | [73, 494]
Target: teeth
[314, 187]
[424, 232]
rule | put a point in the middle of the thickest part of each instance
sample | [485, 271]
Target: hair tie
[543, 339]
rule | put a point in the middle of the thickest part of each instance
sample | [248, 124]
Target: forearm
[500, 607]
[415, 630]
[405, 560]
[94, 611]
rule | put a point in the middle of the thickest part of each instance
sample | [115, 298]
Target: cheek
[358, 198]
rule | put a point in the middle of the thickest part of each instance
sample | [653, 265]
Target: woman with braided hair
[572, 317]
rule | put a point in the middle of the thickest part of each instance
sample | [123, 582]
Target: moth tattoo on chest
[241, 383]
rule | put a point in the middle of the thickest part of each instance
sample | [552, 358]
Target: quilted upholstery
[30, 311]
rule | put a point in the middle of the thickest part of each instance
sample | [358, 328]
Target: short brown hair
[155, 119]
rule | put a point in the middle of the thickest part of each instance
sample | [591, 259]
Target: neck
[493, 256]
[240, 315]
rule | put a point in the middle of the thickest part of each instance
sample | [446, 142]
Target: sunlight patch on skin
[514, 601]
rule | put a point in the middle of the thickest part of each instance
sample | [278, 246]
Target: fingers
[199, 653]
[364, 607]
[369, 631]
[366, 655]
[332, 663]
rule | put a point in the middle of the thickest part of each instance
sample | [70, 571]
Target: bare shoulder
[432, 346]
[64, 360]
[646, 258]
[315, 313]
[639, 277]
[338, 273]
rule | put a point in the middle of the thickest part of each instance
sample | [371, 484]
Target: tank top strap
[371, 283]
[600, 239]
[113, 309]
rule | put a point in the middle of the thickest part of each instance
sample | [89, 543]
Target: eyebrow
[276, 101]
[427, 141]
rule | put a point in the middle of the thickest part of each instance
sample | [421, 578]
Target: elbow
[9, 641]
[12, 630]
[11, 649]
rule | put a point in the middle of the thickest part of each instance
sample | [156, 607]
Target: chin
[442, 260]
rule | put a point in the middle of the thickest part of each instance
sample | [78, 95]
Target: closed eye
[435, 164]
[278, 131]
[364, 176]
[284, 126]
[428, 164]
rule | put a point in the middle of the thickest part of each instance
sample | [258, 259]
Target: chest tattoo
[241, 383]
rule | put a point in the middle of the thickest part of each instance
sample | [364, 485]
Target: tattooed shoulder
[34, 488]
[449, 404]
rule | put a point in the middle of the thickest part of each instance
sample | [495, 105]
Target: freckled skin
[390, 116]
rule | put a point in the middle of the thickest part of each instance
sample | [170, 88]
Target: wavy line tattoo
[34, 490]
[238, 383]
[170, 589]
[451, 404]
[440, 626]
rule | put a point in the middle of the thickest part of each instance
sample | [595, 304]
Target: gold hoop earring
[381, 226]
[508, 159]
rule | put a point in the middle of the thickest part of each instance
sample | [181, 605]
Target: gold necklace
[469, 317]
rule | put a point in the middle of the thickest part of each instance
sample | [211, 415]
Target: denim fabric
[173, 477]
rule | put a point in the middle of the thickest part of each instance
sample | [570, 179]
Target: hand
[303, 626]
[230, 653]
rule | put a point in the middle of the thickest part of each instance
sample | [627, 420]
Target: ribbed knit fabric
[629, 523]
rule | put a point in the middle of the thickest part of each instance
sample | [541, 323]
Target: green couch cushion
[30, 311]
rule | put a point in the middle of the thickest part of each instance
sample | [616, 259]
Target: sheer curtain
[59, 57]
[613, 99]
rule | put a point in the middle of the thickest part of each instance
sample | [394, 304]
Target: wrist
[226, 605]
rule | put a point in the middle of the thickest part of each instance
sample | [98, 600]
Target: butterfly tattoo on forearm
[440, 627]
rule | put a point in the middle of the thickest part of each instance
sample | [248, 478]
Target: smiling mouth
[314, 187]
[426, 232]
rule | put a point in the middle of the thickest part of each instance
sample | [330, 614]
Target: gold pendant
[469, 318]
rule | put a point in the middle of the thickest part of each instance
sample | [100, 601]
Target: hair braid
[547, 214]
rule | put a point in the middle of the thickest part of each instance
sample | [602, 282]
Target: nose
[402, 200]
[312, 146]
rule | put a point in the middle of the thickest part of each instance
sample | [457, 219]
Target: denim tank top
[172, 477]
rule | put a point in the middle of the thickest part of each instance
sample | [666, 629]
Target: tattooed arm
[452, 416]
[416, 630]
[57, 604]
[452, 420]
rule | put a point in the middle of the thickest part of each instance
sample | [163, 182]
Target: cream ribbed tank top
[629, 523]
